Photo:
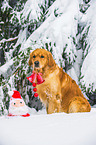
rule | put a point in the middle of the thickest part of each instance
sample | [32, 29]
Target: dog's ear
[30, 59]
[51, 61]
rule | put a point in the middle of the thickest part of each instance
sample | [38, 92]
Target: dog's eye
[34, 56]
[42, 56]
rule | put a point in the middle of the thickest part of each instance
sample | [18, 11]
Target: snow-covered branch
[8, 40]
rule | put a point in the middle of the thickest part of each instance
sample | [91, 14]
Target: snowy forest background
[66, 28]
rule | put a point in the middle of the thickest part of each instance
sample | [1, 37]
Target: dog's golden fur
[59, 92]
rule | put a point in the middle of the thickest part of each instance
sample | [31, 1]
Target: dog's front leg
[53, 104]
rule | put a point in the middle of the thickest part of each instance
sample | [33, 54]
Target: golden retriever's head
[41, 58]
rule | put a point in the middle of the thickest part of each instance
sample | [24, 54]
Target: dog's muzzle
[36, 63]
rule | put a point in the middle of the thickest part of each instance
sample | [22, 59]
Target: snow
[4, 68]
[1, 22]
[54, 129]
[32, 7]
[21, 37]
[88, 69]
[5, 5]
[10, 93]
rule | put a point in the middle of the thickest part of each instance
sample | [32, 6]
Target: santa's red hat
[16, 95]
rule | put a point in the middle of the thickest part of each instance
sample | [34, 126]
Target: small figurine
[17, 106]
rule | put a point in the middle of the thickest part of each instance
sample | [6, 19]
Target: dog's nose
[36, 63]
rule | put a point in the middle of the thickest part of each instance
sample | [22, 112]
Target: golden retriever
[59, 92]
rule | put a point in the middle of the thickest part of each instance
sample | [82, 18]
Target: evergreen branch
[8, 40]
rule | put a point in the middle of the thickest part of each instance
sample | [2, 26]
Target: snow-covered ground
[54, 129]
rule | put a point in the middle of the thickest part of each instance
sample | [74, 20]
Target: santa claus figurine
[17, 106]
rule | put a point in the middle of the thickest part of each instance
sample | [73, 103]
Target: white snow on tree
[88, 70]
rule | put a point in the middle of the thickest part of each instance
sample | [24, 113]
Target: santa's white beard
[18, 110]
